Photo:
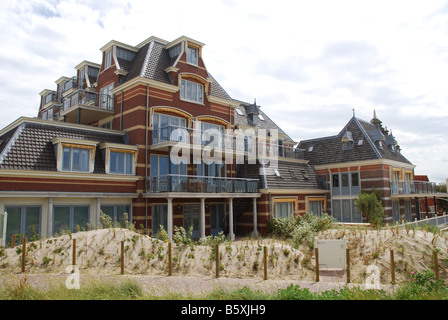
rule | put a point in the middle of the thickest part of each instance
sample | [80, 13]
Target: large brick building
[103, 141]
[110, 139]
[364, 155]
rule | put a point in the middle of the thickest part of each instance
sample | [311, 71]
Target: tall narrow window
[192, 55]
[120, 162]
[108, 59]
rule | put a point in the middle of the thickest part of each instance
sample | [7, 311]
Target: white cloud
[308, 63]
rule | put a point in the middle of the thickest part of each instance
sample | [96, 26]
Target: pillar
[50, 217]
[202, 219]
[231, 233]
[170, 218]
[254, 211]
[98, 212]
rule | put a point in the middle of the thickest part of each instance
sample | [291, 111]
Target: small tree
[369, 204]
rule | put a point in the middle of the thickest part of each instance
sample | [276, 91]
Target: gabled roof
[28, 145]
[153, 59]
[367, 139]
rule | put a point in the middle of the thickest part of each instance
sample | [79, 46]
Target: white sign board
[332, 253]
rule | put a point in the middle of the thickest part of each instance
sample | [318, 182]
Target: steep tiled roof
[32, 148]
[151, 61]
[243, 120]
[292, 175]
[328, 150]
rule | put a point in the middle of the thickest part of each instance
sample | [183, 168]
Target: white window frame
[186, 95]
[72, 164]
[129, 155]
[108, 59]
[62, 143]
[192, 58]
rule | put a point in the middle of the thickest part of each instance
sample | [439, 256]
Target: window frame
[23, 219]
[192, 59]
[291, 207]
[71, 159]
[108, 59]
[184, 91]
[115, 211]
[71, 208]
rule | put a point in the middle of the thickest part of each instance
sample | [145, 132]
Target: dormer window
[74, 155]
[108, 59]
[192, 55]
[120, 159]
[347, 141]
[192, 91]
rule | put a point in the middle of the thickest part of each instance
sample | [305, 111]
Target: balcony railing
[412, 187]
[173, 133]
[88, 98]
[201, 184]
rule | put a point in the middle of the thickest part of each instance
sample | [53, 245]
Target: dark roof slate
[293, 175]
[328, 150]
[267, 123]
[33, 149]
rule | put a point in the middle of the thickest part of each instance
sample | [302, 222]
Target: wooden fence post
[74, 252]
[436, 264]
[392, 266]
[265, 261]
[170, 264]
[13, 241]
[122, 257]
[347, 257]
[23, 254]
[217, 260]
[316, 254]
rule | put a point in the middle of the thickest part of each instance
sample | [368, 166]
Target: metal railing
[201, 184]
[88, 98]
[173, 133]
[412, 187]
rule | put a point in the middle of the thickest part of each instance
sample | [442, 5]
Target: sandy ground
[146, 260]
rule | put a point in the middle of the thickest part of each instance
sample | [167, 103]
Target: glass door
[191, 218]
[217, 216]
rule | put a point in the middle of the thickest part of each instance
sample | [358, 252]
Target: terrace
[413, 188]
[86, 107]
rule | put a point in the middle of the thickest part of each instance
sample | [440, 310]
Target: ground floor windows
[70, 218]
[217, 217]
[159, 218]
[119, 214]
[344, 211]
[284, 208]
[23, 220]
[316, 206]
[191, 219]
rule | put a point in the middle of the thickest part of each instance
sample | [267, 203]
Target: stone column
[231, 233]
[202, 219]
[255, 222]
[170, 218]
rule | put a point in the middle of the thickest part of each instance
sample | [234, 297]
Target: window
[159, 165]
[192, 55]
[119, 214]
[108, 59]
[310, 148]
[191, 91]
[239, 111]
[120, 162]
[360, 141]
[75, 159]
[159, 218]
[23, 220]
[344, 178]
[355, 179]
[106, 97]
[316, 207]
[261, 117]
[284, 208]
[70, 218]
[335, 180]
[164, 128]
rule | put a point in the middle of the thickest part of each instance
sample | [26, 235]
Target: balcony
[412, 188]
[86, 107]
[201, 184]
[170, 135]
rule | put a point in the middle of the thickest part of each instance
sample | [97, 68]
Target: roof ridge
[12, 141]
[146, 60]
[364, 132]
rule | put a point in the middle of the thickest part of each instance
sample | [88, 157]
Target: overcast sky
[308, 63]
